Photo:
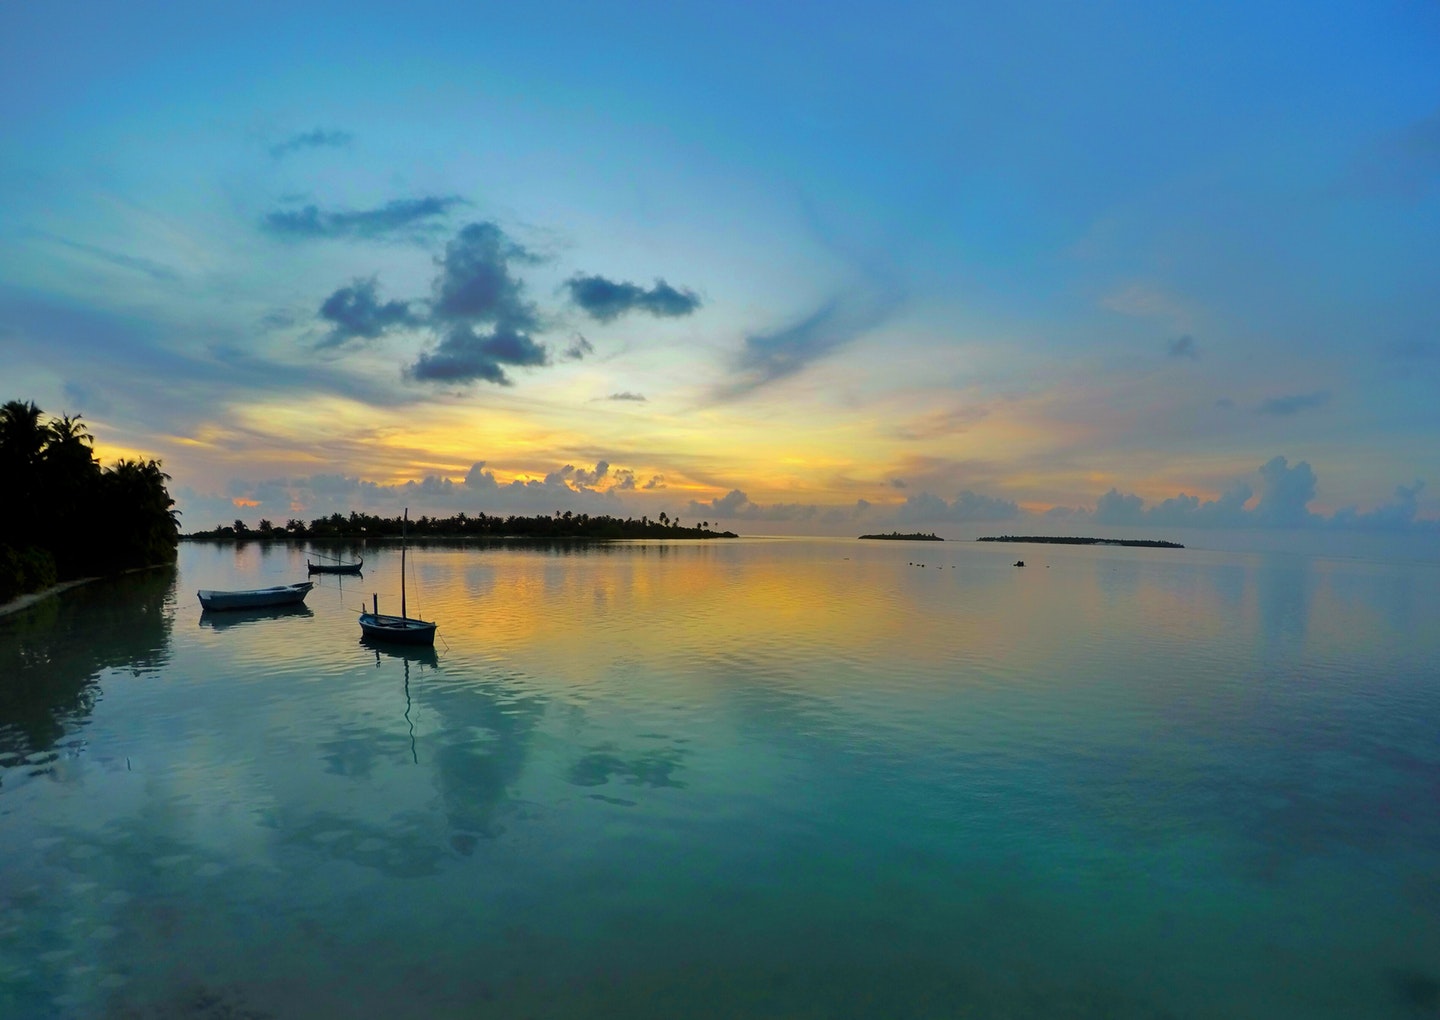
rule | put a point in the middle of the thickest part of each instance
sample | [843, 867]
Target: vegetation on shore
[895, 536]
[564, 524]
[65, 516]
[1145, 543]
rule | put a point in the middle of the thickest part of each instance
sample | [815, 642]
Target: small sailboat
[402, 629]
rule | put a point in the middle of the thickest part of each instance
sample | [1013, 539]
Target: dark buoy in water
[1019, 563]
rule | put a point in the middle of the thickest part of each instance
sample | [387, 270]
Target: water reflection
[763, 779]
[1285, 588]
[243, 617]
[52, 654]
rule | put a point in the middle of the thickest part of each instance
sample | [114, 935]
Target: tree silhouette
[62, 516]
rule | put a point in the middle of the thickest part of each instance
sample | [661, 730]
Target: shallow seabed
[756, 778]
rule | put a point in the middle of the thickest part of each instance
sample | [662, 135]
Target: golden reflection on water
[578, 612]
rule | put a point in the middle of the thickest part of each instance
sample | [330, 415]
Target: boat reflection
[424, 655]
[421, 655]
[243, 617]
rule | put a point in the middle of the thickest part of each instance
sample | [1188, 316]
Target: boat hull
[255, 598]
[400, 630]
[334, 568]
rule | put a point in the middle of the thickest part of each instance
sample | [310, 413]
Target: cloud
[1285, 496]
[1284, 406]
[1143, 300]
[355, 313]
[1183, 347]
[403, 217]
[134, 263]
[476, 286]
[1397, 515]
[476, 283]
[1287, 493]
[316, 139]
[578, 349]
[939, 424]
[466, 356]
[606, 300]
[767, 357]
[627, 395]
[968, 506]
[735, 505]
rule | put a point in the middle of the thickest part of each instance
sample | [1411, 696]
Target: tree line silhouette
[562, 524]
[64, 516]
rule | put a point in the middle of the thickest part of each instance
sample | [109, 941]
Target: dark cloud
[466, 356]
[767, 357]
[627, 395]
[607, 300]
[403, 217]
[1294, 404]
[354, 312]
[317, 139]
[477, 287]
[476, 284]
[1183, 347]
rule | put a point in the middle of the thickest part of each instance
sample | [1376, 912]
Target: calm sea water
[748, 778]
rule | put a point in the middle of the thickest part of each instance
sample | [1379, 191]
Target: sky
[788, 268]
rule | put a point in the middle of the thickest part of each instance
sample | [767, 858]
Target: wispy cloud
[765, 358]
[578, 348]
[148, 267]
[606, 300]
[1183, 347]
[403, 217]
[316, 139]
[943, 423]
[1294, 404]
[627, 395]
[1404, 165]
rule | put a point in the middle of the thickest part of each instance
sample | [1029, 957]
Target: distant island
[895, 536]
[1144, 543]
[358, 526]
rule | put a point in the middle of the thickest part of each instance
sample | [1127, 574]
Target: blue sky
[803, 266]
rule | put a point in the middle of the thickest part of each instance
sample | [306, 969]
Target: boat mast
[404, 523]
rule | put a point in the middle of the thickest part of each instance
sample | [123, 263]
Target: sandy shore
[21, 601]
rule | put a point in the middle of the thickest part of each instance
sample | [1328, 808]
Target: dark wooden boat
[403, 629]
[334, 568]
